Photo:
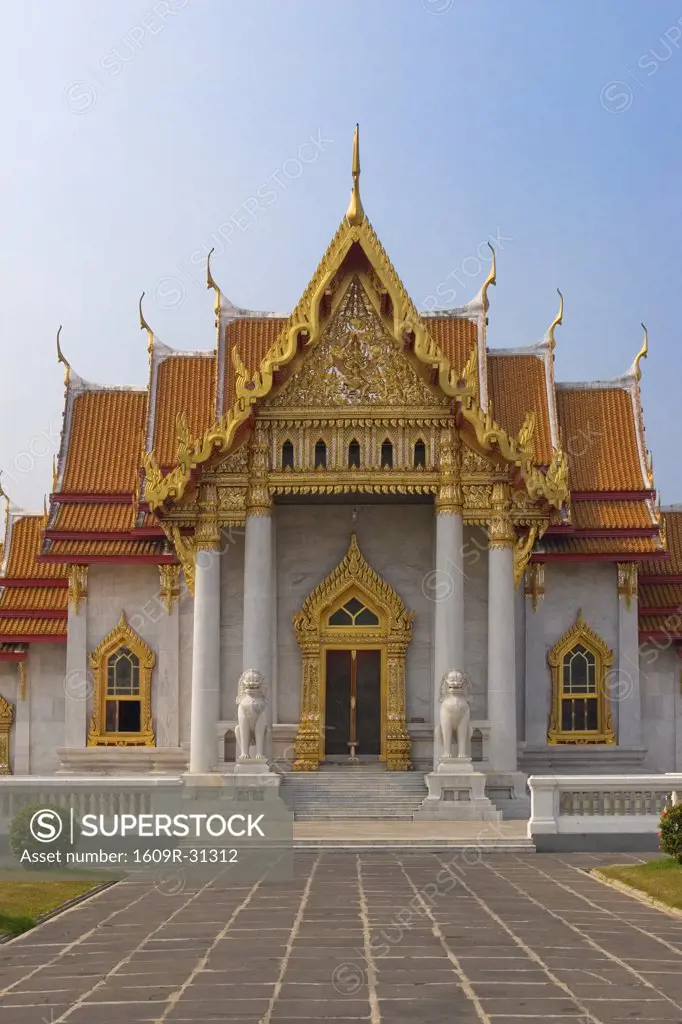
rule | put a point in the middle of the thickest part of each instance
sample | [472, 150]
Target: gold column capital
[500, 527]
[78, 585]
[534, 586]
[627, 582]
[258, 496]
[169, 579]
[449, 497]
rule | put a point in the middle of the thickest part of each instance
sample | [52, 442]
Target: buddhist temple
[351, 498]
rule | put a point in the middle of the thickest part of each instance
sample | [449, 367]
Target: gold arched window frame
[581, 634]
[123, 636]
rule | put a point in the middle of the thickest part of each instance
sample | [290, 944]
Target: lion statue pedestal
[456, 790]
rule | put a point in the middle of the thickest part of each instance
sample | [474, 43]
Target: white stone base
[121, 760]
[456, 793]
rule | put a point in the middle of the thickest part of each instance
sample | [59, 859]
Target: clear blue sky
[134, 130]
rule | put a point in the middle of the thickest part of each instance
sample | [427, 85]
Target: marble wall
[659, 680]
[46, 667]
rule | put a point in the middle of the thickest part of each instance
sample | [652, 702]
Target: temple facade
[352, 499]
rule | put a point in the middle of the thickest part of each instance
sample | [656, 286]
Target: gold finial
[210, 281]
[492, 279]
[44, 506]
[5, 495]
[144, 326]
[642, 354]
[55, 473]
[558, 319]
[355, 214]
[61, 358]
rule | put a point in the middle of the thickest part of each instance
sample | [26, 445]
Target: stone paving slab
[391, 936]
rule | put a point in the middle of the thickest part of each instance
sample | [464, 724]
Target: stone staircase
[365, 792]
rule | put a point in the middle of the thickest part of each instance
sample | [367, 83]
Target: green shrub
[671, 832]
[21, 838]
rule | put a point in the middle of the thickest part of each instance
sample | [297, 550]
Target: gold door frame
[361, 645]
[353, 577]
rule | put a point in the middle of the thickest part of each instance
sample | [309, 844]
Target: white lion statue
[455, 713]
[251, 717]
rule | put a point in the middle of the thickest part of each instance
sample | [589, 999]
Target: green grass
[661, 879]
[22, 903]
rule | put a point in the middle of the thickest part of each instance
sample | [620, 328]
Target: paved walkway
[380, 937]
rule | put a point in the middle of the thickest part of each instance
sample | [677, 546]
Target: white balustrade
[593, 804]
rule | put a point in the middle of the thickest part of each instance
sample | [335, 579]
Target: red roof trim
[605, 556]
[612, 495]
[90, 535]
[13, 655]
[659, 634]
[32, 638]
[18, 581]
[26, 613]
[667, 610]
[604, 531]
[92, 559]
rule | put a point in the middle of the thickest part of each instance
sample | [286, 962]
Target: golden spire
[492, 279]
[210, 282]
[144, 326]
[642, 354]
[61, 358]
[55, 473]
[5, 495]
[558, 319]
[355, 214]
[44, 507]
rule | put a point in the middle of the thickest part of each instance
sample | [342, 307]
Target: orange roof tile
[518, 385]
[76, 549]
[455, 336]
[672, 565]
[27, 533]
[253, 336]
[616, 515]
[31, 627]
[187, 384]
[94, 517]
[599, 437]
[600, 546]
[105, 442]
[660, 595]
[35, 599]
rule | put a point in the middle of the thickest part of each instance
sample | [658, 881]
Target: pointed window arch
[581, 709]
[354, 455]
[287, 455]
[320, 455]
[419, 455]
[387, 455]
[122, 665]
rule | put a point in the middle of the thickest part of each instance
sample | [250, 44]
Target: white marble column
[205, 661]
[77, 682]
[257, 647]
[537, 674]
[501, 643]
[167, 704]
[20, 736]
[446, 586]
[624, 691]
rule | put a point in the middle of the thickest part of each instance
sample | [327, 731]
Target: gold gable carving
[355, 364]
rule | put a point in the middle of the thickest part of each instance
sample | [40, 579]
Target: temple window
[122, 666]
[581, 711]
[387, 455]
[320, 455]
[354, 455]
[420, 455]
[353, 613]
[287, 455]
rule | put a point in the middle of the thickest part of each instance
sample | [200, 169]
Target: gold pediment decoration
[356, 364]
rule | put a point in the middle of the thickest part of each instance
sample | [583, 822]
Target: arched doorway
[353, 631]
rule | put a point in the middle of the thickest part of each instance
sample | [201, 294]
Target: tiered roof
[95, 512]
